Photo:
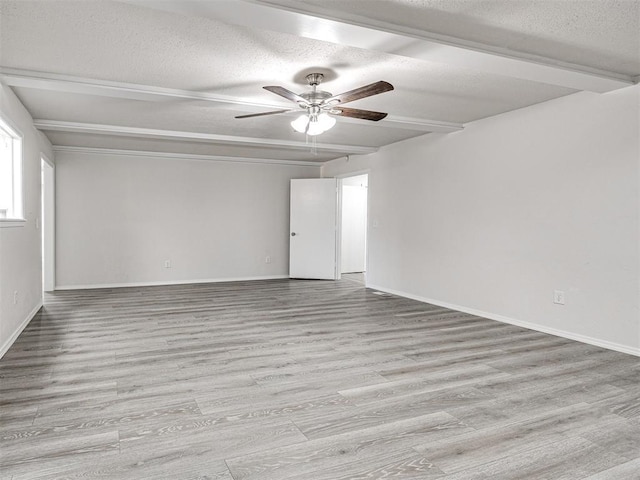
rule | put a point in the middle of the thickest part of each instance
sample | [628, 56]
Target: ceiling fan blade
[362, 92]
[265, 113]
[288, 94]
[357, 113]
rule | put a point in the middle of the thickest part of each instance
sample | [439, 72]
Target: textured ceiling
[602, 34]
[68, 45]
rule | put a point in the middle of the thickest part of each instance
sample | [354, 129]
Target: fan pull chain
[313, 142]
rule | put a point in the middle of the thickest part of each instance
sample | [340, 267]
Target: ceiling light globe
[314, 128]
[300, 123]
[326, 121]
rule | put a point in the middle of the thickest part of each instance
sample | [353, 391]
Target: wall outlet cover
[558, 297]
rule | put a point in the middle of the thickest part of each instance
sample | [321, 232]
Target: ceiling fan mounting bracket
[314, 79]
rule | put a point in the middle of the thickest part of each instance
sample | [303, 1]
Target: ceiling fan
[319, 105]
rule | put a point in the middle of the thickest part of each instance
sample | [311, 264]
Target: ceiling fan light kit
[313, 124]
[321, 106]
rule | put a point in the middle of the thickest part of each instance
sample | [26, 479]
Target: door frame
[47, 215]
[340, 178]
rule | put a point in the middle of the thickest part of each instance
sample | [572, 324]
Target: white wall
[20, 247]
[354, 224]
[496, 217]
[118, 218]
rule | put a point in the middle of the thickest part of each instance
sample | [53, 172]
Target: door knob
[293, 234]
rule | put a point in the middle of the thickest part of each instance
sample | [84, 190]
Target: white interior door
[313, 222]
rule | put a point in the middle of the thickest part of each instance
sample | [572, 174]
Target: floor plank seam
[194, 381]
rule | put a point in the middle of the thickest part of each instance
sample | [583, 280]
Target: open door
[313, 225]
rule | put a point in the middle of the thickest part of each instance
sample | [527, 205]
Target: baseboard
[520, 323]
[7, 345]
[168, 282]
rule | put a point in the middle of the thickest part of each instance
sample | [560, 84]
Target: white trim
[520, 323]
[169, 282]
[19, 210]
[47, 216]
[16, 77]
[10, 341]
[341, 177]
[119, 130]
[44, 157]
[182, 156]
[338, 230]
[355, 173]
[420, 124]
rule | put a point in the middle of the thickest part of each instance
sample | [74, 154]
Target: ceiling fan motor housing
[316, 97]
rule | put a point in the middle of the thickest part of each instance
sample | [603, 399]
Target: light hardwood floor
[313, 380]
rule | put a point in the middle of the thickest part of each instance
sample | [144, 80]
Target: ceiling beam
[410, 123]
[181, 156]
[117, 130]
[86, 86]
[14, 77]
[396, 40]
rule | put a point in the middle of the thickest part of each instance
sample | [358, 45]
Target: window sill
[12, 222]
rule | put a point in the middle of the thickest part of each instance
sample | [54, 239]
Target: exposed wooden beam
[397, 40]
[117, 130]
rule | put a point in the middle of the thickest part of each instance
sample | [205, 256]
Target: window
[10, 174]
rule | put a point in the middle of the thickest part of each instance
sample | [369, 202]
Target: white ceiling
[170, 75]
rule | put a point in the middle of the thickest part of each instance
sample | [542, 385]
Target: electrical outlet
[167, 264]
[267, 259]
[15, 297]
[558, 297]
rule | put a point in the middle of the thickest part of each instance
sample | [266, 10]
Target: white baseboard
[520, 323]
[168, 282]
[7, 345]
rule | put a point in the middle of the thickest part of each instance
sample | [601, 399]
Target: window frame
[17, 216]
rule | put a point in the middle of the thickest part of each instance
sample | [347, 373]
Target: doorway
[47, 215]
[353, 238]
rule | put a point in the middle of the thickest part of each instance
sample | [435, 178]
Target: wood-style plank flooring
[313, 380]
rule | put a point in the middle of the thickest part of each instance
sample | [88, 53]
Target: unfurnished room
[320, 239]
